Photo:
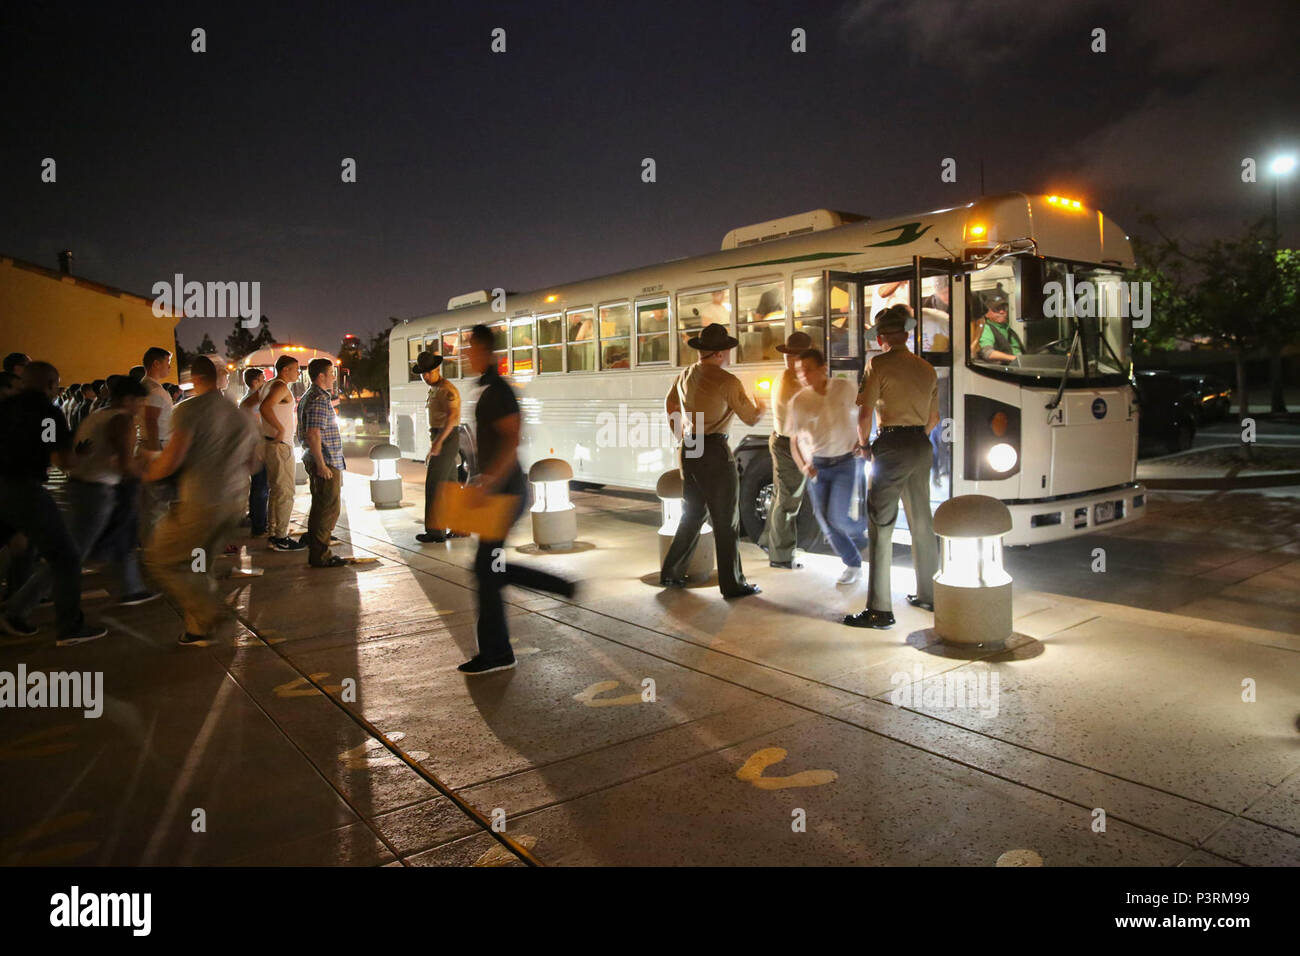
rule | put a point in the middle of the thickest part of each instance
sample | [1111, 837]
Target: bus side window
[616, 336]
[760, 326]
[413, 348]
[652, 333]
[695, 310]
[580, 339]
[809, 308]
[450, 362]
[521, 344]
[550, 343]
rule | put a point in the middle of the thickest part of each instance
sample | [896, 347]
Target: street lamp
[972, 591]
[555, 518]
[669, 489]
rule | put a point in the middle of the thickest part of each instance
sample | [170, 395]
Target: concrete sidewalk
[651, 727]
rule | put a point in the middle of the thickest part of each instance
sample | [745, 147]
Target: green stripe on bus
[776, 262]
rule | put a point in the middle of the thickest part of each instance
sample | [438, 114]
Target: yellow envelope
[470, 510]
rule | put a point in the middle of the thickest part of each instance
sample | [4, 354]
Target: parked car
[1212, 394]
[1166, 411]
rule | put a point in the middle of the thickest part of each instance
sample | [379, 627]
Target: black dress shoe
[915, 601]
[788, 565]
[870, 618]
[431, 537]
[746, 591]
[672, 582]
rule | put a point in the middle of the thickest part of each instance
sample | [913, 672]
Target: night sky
[523, 169]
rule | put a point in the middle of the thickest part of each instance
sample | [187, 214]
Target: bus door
[843, 323]
[931, 300]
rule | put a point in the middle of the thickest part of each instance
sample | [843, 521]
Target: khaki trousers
[324, 514]
[787, 495]
[172, 562]
[279, 480]
[901, 468]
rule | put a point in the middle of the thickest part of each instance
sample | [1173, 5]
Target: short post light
[669, 488]
[972, 590]
[385, 482]
[555, 518]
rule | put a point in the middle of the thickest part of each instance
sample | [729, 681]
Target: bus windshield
[1041, 318]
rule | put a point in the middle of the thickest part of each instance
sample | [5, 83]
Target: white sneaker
[850, 575]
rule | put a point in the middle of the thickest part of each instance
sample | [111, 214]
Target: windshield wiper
[1069, 360]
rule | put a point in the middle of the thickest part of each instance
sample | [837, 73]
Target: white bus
[1051, 430]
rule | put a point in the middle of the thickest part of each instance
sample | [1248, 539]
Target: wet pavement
[328, 724]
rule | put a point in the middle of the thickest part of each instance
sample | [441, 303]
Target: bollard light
[555, 519]
[669, 490]
[972, 590]
[385, 482]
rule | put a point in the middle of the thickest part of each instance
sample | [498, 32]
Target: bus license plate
[1104, 511]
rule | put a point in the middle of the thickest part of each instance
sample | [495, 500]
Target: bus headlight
[1002, 457]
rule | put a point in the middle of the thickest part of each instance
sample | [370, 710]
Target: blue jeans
[832, 492]
[100, 523]
[259, 492]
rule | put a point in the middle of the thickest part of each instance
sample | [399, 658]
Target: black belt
[819, 462]
[721, 435]
[886, 429]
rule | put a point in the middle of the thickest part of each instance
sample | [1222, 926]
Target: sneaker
[193, 640]
[285, 544]
[17, 626]
[850, 575]
[336, 561]
[84, 633]
[481, 665]
[139, 597]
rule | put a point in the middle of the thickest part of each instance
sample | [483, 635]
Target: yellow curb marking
[752, 772]
[371, 754]
[299, 686]
[30, 745]
[500, 856]
[588, 696]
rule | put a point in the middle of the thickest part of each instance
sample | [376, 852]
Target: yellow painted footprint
[589, 696]
[498, 855]
[17, 850]
[752, 772]
[41, 743]
[299, 686]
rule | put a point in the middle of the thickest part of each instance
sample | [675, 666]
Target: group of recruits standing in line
[821, 427]
[173, 479]
[190, 471]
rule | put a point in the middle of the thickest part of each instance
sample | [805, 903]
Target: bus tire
[756, 493]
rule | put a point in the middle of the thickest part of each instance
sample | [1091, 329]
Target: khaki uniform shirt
[715, 394]
[901, 388]
[787, 386]
[441, 397]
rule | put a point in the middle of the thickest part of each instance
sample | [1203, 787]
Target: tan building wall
[87, 330]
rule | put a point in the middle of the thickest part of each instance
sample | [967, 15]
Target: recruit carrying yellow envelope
[469, 510]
